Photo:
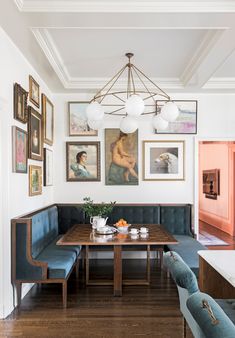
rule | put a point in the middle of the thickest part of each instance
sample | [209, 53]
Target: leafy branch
[102, 209]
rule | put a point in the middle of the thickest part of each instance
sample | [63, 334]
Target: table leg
[117, 271]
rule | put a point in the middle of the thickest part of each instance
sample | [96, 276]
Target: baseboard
[26, 288]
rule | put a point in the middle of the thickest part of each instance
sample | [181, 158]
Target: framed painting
[34, 92]
[121, 158]
[48, 120]
[35, 135]
[20, 150]
[47, 167]
[78, 121]
[35, 180]
[83, 161]
[20, 103]
[186, 122]
[163, 160]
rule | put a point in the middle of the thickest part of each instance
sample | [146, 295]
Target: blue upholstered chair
[187, 285]
[212, 320]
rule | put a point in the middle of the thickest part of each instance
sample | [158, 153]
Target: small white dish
[144, 235]
[144, 230]
[135, 236]
[134, 231]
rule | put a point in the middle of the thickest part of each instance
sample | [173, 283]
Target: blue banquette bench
[35, 256]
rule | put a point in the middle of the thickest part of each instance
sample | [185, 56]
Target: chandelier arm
[118, 97]
[117, 74]
[132, 78]
[128, 81]
[165, 94]
[142, 82]
[114, 111]
[115, 80]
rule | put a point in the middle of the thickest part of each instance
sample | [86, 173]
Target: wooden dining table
[83, 234]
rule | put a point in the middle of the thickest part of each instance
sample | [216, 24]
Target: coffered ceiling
[78, 45]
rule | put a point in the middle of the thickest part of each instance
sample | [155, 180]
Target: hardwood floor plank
[142, 311]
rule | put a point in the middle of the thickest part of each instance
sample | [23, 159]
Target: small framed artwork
[34, 92]
[83, 161]
[186, 122]
[48, 167]
[20, 150]
[35, 135]
[35, 180]
[48, 120]
[121, 158]
[20, 103]
[78, 121]
[163, 160]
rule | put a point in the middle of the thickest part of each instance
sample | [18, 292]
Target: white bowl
[123, 229]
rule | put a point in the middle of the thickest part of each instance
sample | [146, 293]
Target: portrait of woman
[121, 157]
[83, 161]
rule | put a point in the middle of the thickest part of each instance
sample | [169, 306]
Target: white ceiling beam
[210, 55]
[126, 6]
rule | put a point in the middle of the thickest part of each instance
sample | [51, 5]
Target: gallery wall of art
[15, 198]
[213, 121]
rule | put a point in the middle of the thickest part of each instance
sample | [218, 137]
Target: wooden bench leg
[64, 285]
[87, 265]
[148, 263]
[18, 293]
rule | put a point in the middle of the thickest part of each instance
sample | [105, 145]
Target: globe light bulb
[134, 105]
[170, 111]
[94, 111]
[128, 125]
[159, 123]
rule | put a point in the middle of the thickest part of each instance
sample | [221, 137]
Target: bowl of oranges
[122, 226]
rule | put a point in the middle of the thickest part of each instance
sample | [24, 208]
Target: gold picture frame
[34, 92]
[20, 103]
[164, 160]
[48, 120]
[35, 180]
[35, 135]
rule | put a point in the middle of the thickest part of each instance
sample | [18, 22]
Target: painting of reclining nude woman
[121, 158]
[163, 160]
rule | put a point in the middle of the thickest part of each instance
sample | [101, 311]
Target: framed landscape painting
[35, 135]
[20, 150]
[83, 161]
[78, 121]
[35, 180]
[20, 103]
[186, 122]
[121, 158]
[48, 167]
[163, 160]
[48, 120]
[34, 92]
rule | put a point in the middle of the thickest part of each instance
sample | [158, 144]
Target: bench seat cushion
[188, 248]
[60, 258]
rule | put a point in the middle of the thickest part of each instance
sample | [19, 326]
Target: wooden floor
[142, 311]
[220, 234]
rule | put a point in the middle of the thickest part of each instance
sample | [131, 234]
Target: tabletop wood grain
[82, 234]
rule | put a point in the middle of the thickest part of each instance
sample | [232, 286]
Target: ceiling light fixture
[139, 98]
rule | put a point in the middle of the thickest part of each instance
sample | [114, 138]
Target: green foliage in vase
[102, 209]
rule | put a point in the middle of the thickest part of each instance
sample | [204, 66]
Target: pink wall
[220, 212]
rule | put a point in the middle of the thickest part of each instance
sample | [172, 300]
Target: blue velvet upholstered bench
[35, 256]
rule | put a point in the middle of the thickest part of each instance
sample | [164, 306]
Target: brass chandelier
[139, 98]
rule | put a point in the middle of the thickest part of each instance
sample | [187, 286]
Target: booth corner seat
[35, 256]
[198, 317]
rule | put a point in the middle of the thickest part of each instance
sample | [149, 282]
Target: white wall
[215, 118]
[14, 196]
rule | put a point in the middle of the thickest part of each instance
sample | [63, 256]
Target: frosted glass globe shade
[134, 105]
[94, 111]
[128, 125]
[95, 124]
[170, 111]
[159, 123]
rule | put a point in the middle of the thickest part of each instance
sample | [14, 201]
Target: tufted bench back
[176, 219]
[136, 214]
[44, 229]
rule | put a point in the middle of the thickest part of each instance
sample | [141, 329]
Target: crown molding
[220, 83]
[70, 6]
[209, 40]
